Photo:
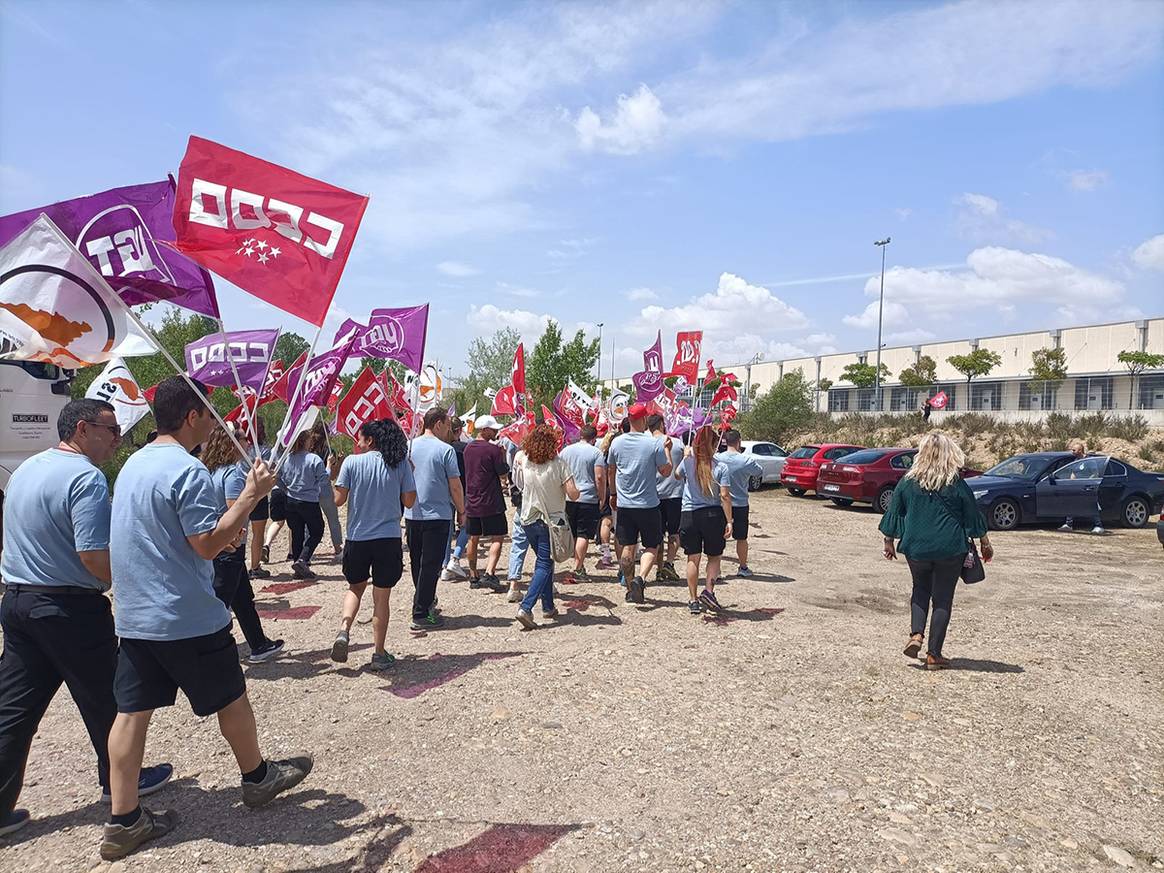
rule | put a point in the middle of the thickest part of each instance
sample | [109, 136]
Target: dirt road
[790, 734]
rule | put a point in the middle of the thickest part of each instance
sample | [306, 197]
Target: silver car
[771, 458]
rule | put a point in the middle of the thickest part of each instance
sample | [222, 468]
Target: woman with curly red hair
[545, 481]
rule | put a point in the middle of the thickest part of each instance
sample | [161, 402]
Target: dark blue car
[1051, 486]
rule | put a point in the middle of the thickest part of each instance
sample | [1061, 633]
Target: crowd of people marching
[192, 521]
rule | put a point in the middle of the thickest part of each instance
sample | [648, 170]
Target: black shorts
[670, 509]
[278, 505]
[633, 523]
[583, 519]
[604, 511]
[381, 560]
[262, 510]
[701, 531]
[150, 672]
[740, 522]
[489, 526]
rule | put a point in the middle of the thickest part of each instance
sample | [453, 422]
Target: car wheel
[841, 501]
[1135, 512]
[795, 492]
[1004, 515]
[884, 498]
[754, 482]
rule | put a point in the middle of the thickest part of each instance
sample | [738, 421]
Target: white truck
[32, 395]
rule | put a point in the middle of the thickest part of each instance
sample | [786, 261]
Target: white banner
[117, 386]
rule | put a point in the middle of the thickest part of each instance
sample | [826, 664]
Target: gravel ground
[791, 734]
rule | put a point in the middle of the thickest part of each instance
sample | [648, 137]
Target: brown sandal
[914, 646]
[936, 662]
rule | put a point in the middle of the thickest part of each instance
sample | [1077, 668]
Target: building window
[903, 399]
[1094, 392]
[866, 399]
[1151, 391]
[986, 395]
[838, 400]
[1038, 395]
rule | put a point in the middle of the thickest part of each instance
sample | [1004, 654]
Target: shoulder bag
[973, 570]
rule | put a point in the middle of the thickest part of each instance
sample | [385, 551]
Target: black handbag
[973, 570]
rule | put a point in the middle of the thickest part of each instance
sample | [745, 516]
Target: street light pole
[598, 363]
[881, 243]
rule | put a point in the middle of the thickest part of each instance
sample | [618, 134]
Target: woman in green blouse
[933, 516]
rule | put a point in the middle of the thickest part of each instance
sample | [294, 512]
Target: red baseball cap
[637, 410]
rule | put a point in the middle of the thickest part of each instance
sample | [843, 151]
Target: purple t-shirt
[484, 467]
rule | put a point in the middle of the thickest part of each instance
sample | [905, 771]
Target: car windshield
[867, 456]
[805, 452]
[1020, 467]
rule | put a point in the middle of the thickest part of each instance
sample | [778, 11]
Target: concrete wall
[1015, 351]
[1094, 349]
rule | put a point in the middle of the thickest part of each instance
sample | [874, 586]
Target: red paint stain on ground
[285, 587]
[460, 665]
[291, 613]
[580, 605]
[500, 849]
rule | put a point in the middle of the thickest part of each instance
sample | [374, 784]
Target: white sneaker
[514, 594]
[446, 576]
[455, 570]
[1066, 528]
[1098, 529]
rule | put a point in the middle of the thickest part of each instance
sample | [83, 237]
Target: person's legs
[471, 555]
[273, 530]
[581, 544]
[713, 568]
[313, 519]
[380, 601]
[243, 607]
[257, 540]
[543, 573]
[351, 607]
[672, 548]
[919, 601]
[945, 580]
[331, 513]
[742, 552]
[28, 683]
[432, 536]
[647, 561]
[127, 739]
[236, 721]
[297, 524]
[494, 557]
[518, 546]
[693, 575]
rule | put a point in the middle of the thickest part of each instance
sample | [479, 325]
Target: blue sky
[647, 165]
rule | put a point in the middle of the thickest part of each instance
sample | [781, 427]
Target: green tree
[1048, 370]
[921, 375]
[864, 375]
[978, 363]
[1136, 363]
[490, 362]
[552, 362]
[781, 411]
[289, 347]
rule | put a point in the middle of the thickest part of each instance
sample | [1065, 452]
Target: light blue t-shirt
[582, 457]
[303, 476]
[162, 589]
[229, 481]
[636, 458]
[694, 497]
[741, 468]
[434, 463]
[56, 504]
[668, 486]
[374, 491]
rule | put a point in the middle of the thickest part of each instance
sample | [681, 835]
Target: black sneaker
[120, 840]
[339, 649]
[149, 780]
[265, 652]
[493, 582]
[14, 821]
[708, 599]
[477, 583]
[637, 587]
[302, 571]
[281, 775]
[266, 554]
[694, 607]
[260, 573]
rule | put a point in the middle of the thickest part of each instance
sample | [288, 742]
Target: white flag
[55, 306]
[580, 397]
[117, 386]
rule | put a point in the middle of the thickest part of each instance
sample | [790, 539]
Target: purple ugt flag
[125, 233]
[653, 357]
[251, 350]
[319, 375]
[571, 433]
[397, 334]
[648, 385]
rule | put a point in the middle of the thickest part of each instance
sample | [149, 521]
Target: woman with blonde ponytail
[705, 521]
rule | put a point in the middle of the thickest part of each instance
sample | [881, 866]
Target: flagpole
[238, 382]
[279, 451]
[181, 371]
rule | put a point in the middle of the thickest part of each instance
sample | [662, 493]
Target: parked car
[802, 466]
[770, 456]
[869, 476]
[1160, 529]
[1050, 486]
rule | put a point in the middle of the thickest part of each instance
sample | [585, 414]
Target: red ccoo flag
[365, 401]
[278, 235]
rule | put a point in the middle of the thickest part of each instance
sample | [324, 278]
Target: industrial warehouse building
[1096, 380]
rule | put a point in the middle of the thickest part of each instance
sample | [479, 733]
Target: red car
[802, 466]
[868, 476]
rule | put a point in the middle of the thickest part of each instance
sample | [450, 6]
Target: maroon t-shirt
[484, 467]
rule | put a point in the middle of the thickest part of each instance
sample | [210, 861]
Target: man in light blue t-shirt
[166, 528]
[670, 492]
[741, 468]
[588, 466]
[632, 465]
[428, 521]
[57, 623]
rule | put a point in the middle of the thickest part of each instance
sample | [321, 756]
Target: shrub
[1132, 428]
[973, 423]
[1060, 426]
[1093, 424]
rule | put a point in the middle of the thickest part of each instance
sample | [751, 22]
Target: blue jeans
[462, 540]
[517, 549]
[542, 584]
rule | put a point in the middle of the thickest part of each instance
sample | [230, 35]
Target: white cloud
[489, 319]
[637, 124]
[642, 294]
[983, 218]
[1149, 254]
[1086, 180]
[520, 291]
[893, 314]
[994, 282]
[457, 269]
[568, 249]
[903, 213]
